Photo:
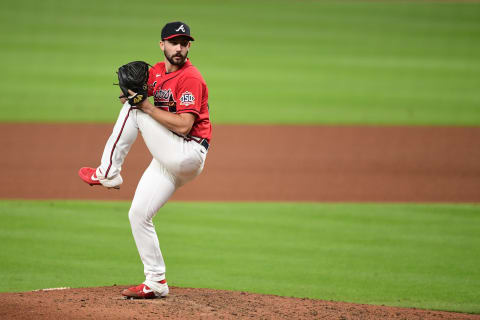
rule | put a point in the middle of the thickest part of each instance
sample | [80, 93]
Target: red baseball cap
[176, 29]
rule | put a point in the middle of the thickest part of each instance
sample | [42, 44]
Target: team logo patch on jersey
[187, 98]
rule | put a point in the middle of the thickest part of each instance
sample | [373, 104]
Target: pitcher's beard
[174, 59]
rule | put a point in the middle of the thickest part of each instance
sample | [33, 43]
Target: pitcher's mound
[187, 303]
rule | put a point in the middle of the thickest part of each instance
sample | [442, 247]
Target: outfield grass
[296, 62]
[423, 256]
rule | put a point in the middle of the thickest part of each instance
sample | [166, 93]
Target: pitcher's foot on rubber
[143, 291]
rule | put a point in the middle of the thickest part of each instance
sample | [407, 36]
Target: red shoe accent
[139, 292]
[142, 291]
[89, 176]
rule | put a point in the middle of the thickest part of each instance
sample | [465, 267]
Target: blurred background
[302, 62]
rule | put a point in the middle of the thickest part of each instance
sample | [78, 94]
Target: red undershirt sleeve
[151, 79]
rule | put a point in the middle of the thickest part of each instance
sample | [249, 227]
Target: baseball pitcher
[176, 129]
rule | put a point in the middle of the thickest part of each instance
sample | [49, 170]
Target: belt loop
[205, 144]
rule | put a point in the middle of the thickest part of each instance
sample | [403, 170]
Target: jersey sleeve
[151, 79]
[189, 96]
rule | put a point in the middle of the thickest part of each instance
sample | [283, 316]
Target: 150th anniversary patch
[187, 98]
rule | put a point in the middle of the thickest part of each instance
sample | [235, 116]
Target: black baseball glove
[134, 76]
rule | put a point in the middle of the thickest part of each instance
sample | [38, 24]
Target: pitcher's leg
[183, 159]
[118, 144]
[154, 189]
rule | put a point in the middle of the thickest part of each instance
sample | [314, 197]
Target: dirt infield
[246, 163]
[187, 303]
[260, 163]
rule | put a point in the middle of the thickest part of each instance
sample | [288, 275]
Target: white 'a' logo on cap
[181, 28]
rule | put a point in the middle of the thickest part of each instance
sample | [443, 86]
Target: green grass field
[296, 62]
[413, 255]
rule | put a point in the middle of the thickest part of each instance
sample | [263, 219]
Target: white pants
[175, 162]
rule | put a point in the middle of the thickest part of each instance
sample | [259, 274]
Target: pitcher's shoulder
[193, 72]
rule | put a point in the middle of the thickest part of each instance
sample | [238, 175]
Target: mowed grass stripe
[395, 254]
[306, 62]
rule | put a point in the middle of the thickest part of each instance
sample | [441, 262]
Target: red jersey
[182, 91]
